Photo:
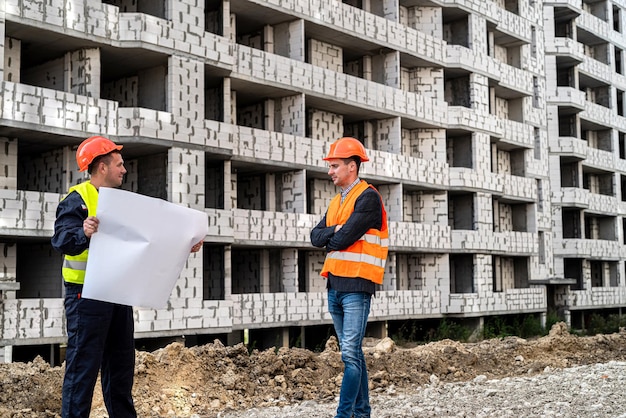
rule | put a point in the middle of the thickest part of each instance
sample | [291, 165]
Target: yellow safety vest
[365, 258]
[74, 266]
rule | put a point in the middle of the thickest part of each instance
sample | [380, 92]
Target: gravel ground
[581, 392]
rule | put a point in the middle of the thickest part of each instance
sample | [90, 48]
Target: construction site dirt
[206, 380]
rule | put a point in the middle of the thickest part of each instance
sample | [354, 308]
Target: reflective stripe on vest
[74, 266]
[365, 258]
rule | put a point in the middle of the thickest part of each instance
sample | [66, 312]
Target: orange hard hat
[93, 147]
[347, 147]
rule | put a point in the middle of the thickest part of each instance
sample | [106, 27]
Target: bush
[497, 327]
[531, 327]
[451, 330]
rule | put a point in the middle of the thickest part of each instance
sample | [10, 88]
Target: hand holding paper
[140, 248]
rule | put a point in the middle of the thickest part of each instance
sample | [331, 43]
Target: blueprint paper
[140, 249]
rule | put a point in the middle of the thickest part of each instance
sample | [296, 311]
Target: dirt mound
[204, 380]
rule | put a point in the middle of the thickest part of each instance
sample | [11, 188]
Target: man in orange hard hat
[99, 334]
[355, 234]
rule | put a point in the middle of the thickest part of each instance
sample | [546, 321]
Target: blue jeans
[99, 339]
[349, 311]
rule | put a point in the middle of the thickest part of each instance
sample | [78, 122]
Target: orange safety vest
[365, 258]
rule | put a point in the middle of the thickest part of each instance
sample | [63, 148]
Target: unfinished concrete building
[587, 140]
[495, 129]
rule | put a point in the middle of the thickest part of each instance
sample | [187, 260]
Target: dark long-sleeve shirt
[69, 237]
[367, 214]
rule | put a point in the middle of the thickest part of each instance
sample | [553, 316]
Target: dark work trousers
[99, 338]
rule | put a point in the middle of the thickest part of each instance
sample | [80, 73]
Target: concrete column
[367, 67]
[270, 192]
[483, 213]
[477, 33]
[392, 197]
[479, 92]
[324, 125]
[185, 88]
[3, 41]
[6, 354]
[428, 82]
[269, 115]
[188, 14]
[230, 31]
[11, 52]
[290, 115]
[268, 39]
[186, 177]
[228, 273]
[230, 103]
[386, 69]
[293, 192]
[482, 150]
[83, 72]
[8, 163]
[389, 135]
[434, 207]
[264, 285]
[288, 40]
[290, 270]
[230, 186]
[428, 20]
[390, 280]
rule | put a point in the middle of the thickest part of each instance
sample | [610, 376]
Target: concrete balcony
[596, 158]
[27, 214]
[258, 310]
[470, 119]
[597, 70]
[516, 80]
[509, 243]
[46, 110]
[415, 171]
[105, 23]
[100, 21]
[519, 188]
[458, 56]
[569, 146]
[333, 22]
[569, 99]
[572, 197]
[405, 304]
[186, 315]
[20, 315]
[597, 298]
[573, 52]
[603, 116]
[603, 204]
[516, 133]
[588, 248]
[221, 225]
[417, 237]
[594, 25]
[165, 130]
[513, 28]
[575, 6]
[374, 99]
[508, 301]
[277, 148]
[519, 82]
[276, 229]
[470, 179]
